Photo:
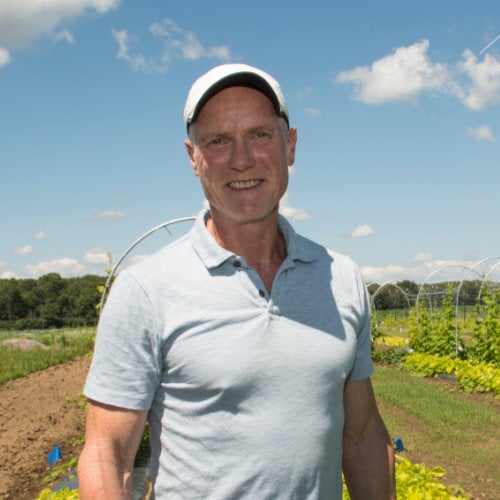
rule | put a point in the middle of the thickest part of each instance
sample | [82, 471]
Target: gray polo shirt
[244, 388]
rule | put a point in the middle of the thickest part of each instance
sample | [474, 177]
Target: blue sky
[397, 106]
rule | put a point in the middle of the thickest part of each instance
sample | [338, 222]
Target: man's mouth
[244, 184]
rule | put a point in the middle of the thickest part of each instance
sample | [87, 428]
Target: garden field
[440, 426]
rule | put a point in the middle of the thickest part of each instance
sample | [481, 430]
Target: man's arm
[106, 463]
[368, 456]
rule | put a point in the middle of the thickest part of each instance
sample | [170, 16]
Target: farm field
[37, 412]
[439, 425]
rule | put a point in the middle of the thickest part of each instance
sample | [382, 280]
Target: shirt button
[262, 293]
[237, 263]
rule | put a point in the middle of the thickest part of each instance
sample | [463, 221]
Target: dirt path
[37, 412]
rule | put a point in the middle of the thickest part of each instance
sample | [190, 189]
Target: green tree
[50, 289]
[410, 287]
[12, 305]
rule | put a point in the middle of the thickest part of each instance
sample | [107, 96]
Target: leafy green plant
[420, 328]
[437, 333]
[374, 330]
[418, 482]
[471, 377]
[64, 494]
[443, 327]
[391, 356]
[485, 342]
[60, 470]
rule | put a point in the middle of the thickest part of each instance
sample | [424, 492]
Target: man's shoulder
[319, 251]
[169, 258]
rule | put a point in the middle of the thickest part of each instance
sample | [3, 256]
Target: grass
[441, 426]
[64, 345]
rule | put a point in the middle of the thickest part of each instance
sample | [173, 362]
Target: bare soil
[36, 413]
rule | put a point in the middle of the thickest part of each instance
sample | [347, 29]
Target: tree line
[55, 302]
[49, 302]
[402, 294]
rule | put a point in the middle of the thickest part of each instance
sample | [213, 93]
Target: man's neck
[262, 244]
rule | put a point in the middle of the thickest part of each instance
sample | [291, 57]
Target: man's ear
[190, 151]
[291, 144]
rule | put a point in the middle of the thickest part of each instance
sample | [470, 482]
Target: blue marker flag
[54, 455]
[399, 444]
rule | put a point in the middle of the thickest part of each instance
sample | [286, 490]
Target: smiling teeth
[244, 184]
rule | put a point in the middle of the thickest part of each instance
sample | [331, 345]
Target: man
[244, 345]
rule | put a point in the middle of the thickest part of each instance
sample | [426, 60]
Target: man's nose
[242, 156]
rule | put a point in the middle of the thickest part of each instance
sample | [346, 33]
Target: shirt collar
[214, 255]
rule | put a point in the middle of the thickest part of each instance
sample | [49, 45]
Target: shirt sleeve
[363, 364]
[127, 362]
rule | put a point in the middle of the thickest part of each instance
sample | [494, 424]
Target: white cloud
[64, 35]
[429, 271]
[23, 21]
[482, 133]
[3, 263]
[7, 275]
[134, 259]
[65, 267]
[409, 72]
[484, 88]
[422, 257]
[4, 57]
[137, 62]
[108, 214]
[41, 235]
[290, 212]
[96, 257]
[25, 250]
[362, 231]
[312, 112]
[302, 93]
[177, 44]
[401, 76]
[383, 274]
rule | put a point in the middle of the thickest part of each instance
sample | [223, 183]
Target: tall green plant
[443, 327]
[419, 326]
[485, 342]
[434, 334]
[374, 329]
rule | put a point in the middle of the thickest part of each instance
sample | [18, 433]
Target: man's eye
[261, 137]
[215, 143]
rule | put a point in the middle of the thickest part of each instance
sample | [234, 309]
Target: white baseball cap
[229, 75]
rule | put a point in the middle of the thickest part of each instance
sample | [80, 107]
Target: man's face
[241, 150]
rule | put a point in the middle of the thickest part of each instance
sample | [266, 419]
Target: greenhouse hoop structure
[164, 225]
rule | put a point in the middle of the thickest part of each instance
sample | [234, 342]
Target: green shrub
[391, 356]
